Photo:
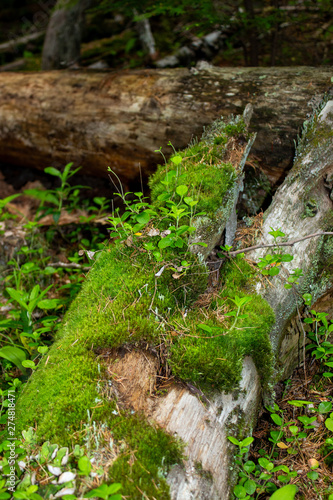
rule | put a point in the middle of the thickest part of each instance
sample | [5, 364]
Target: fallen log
[136, 319]
[119, 119]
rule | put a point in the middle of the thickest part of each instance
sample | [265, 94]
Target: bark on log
[120, 119]
[301, 206]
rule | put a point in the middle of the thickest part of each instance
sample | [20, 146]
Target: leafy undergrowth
[294, 438]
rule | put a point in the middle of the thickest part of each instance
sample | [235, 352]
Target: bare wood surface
[118, 119]
[15, 41]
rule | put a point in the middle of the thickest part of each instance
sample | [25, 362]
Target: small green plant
[321, 347]
[240, 302]
[56, 197]
[26, 329]
[3, 203]
[106, 492]
[156, 228]
[269, 264]
[71, 472]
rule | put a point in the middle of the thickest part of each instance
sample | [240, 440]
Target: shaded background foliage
[247, 32]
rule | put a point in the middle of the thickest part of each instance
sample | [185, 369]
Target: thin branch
[270, 245]
[71, 265]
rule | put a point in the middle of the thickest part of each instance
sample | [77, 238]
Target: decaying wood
[302, 209]
[119, 119]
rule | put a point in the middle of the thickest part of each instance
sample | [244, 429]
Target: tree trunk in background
[63, 37]
[119, 119]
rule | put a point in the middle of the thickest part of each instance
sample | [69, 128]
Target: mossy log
[136, 320]
[119, 119]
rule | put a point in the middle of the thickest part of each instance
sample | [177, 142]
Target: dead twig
[274, 245]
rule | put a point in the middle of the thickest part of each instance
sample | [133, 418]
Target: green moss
[209, 180]
[149, 453]
[215, 358]
[203, 168]
[119, 313]
[310, 208]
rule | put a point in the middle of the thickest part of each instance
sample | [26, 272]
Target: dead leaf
[282, 446]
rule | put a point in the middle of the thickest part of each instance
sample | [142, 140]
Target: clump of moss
[215, 358]
[66, 386]
[203, 167]
[149, 453]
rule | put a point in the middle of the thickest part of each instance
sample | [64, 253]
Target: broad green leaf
[274, 271]
[17, 295]
[113, 488]
[103, 491]
[34, 292]
[263, 462]
[287, 492]
[329, 424]
[313, 475]
[325, 407]
[233, 440]
[53, 171]
[169, 176]
[29, 364]
[179, 243]
[29, 267]
[250, 486]
[249, 466]
[181, 190]
[165, 242]
[176, 160]
[299, 403]
[240, 491]
[276, 419]
[49, 303]
[4, 495]
[182, 229]
[208, 329]
[265, 476]
[42, 349]
[286, 258]
[49, 270]
[143, 218]
[84, 465]
[247, 441]
[163, 196]
[15, 355]
[293, 429]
